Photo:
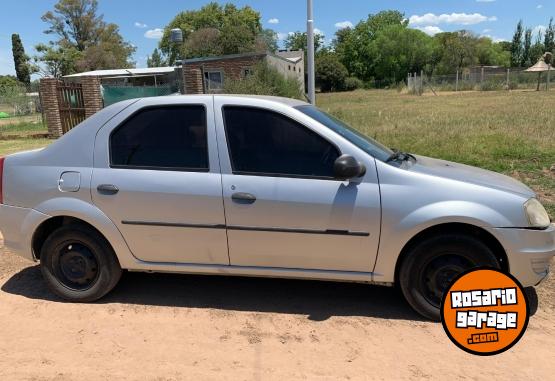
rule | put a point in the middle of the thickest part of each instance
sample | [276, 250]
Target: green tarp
[4, 115]
[114, 94]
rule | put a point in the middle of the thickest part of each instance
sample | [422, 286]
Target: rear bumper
[18, 226]
[529, 252]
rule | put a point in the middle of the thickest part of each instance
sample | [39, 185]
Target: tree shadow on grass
[318, 300]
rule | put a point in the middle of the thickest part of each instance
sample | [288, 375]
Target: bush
[330, 73]
[265, 80]
[353, 83]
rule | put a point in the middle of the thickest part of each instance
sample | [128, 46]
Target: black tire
[78, 264]
[431, 265]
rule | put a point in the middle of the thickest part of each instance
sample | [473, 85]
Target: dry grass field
[508, 132]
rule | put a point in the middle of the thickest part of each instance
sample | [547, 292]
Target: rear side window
[171, 138]
[263, 142]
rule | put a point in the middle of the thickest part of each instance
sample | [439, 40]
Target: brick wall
[92, 97]
[49, 103]
[231, 67]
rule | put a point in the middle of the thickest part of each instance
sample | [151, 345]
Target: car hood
[468, 174]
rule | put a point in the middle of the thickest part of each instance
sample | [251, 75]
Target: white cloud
[155, 33]
[486, 31]
[430, 30]
[539, 29]
[453, 18]
[318, 31]
[282, 36]
[493, 38]
[140, 25]
[344, 24]
[273, 21]
[539, 6]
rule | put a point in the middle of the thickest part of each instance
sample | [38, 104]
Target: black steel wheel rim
[76, 266]
[438, 274]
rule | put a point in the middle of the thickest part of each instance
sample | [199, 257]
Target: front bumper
[17, 226]
[529, 252]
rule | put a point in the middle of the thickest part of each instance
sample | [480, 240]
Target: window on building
[214, 80]
[268, 143]
[245, 72]
[170, 138]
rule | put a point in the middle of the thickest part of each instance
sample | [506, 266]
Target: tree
[549, 37]
[516, 45]
[330, 72]
[299, 41]
[537, 49]
[268, 40]
[84, 37]
[354, 46]
[8, 81]
[459, 50]
[400, 50]
[526, 50]
[238, 31]
[21, 61]
[56, 61]
[155, 60]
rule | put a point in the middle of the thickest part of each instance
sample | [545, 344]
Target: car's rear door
[157, 177]
[283, 207]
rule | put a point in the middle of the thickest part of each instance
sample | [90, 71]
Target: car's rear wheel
[431, 265]
[78, 264]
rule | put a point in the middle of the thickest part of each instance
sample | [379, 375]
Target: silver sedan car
[259, 186]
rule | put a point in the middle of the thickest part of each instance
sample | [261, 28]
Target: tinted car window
[265, 142]
[166, 138]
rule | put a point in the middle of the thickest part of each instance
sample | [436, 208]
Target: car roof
[175, 98]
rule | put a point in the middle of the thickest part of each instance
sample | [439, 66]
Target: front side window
[263, 142]
[172, 138]
[214, 80]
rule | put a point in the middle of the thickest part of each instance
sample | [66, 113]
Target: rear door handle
[107, 189]
[242, 197]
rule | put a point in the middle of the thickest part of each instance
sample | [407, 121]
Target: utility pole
[310, 53]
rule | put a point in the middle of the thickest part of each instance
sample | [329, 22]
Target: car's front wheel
[431, 265]
[78, 264]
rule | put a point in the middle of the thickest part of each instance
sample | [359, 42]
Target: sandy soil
[168, 327]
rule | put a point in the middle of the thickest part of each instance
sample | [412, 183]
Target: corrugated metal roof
[124, 72]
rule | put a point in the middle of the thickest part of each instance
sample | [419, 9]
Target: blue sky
[140, 20]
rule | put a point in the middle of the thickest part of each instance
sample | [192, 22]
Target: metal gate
[71, 105]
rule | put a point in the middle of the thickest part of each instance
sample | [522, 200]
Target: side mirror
[347, 167]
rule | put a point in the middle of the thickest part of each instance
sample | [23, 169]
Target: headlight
[536, 214]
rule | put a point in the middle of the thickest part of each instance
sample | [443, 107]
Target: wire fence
[19, 105]
[481, 79]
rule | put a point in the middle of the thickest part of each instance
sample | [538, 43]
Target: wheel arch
[66, 210]
[459, 228]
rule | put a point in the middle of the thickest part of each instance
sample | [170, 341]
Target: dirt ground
[171, 327]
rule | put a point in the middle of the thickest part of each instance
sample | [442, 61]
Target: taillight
[1, 179]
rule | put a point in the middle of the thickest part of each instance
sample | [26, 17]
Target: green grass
[508, 132]
[8, 147]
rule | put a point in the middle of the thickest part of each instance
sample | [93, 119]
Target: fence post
[457, 82]
[482, 77]
[421, 82]
[508, 79]
[49, 103]
[92, 96]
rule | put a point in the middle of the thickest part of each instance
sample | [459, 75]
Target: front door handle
[107, 189]
[242, 197]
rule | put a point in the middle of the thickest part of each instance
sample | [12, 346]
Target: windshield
[368, 145]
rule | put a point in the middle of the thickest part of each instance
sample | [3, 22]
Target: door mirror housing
[347, 167]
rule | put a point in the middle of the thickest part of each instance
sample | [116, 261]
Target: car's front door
[157, 177]
[283, 207]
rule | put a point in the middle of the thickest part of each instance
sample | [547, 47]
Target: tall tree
[79, 28]
[299, 41]
[549, 37]
[155, 60]
[516, 45]
[230, 30]
[21, 60]
[526, 58]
